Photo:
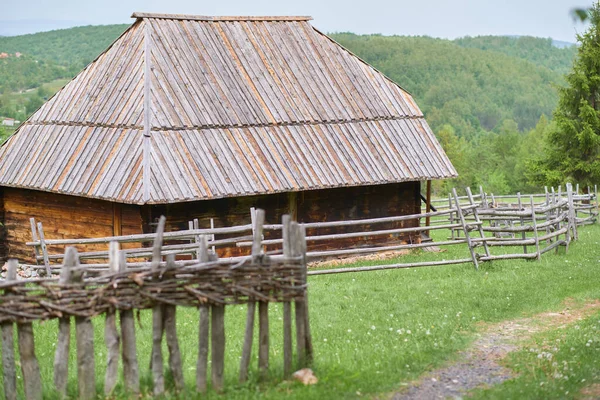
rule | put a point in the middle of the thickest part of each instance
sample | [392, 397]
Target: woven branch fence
[208, 284]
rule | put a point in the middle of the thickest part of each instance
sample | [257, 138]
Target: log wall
[308, 206]
[63, 217]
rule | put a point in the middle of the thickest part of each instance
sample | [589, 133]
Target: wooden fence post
[84, 333]
[131, 374]
[535, 230]
[258, 219]
[451, 217]
[596, 198]
[287, 306]
[303, 336]
[478, 221]
[61, 356]
[461, 218]
[35, 238]
[8, 347]
[44, 249]
[217, 343]
[572, 212]
[156, 361]
[308, 335]
[522, 220]
[203, 328]
[111, 335]
[170, 326]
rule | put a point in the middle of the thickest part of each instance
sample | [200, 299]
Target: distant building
[17, 54]
[9, 121]
[3, 55]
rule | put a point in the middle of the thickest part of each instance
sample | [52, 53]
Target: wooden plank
[156, 360]
[131, 375]
[111, 334]
[8, 346]
[170, 324]
[218, 345]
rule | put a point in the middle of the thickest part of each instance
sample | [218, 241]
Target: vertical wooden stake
[203, 329]
[212, 237]
[287, 307]
[44, 248]
[218, 345]
[203, 335]
[156, 361]
[170, 324]
[32, 380]
[61, 356]
[84, 334]
[535, 229]
[451, 216]
[522, 220]
[263, 339]
[131, 374]
[572, 212]
[35, 238]
[111, 334]
[8, 349]
[465, 229]
[596, 197]
[307, 335]
[478, 221]
[300, 309]
[248, 336]
[428, 206]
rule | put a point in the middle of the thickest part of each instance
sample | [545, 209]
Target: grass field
[373, 332]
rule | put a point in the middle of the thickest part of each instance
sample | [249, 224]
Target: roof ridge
[218, 18]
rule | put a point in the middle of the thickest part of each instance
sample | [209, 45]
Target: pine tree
[573, 151]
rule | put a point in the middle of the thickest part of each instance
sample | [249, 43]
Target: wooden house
[200, 117]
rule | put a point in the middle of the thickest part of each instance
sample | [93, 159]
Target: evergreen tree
[574, 146]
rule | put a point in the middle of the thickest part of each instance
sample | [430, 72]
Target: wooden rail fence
[208, 283]
[480, 223]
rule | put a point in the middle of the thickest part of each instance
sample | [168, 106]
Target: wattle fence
[208, 284]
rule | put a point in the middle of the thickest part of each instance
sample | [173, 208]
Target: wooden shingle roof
[183, 108]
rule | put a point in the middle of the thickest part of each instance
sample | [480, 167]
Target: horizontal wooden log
[358, 234]
[367, 250]
[389, 266]
[509, 257]
[553, 246]
[147, 237]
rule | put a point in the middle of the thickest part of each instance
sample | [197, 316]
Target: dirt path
[479, 366]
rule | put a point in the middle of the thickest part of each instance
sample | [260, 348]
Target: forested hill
[470, 88]
[539, 51]
[74, 47]
[482, 96]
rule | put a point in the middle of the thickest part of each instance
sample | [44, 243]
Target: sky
[437, 18]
